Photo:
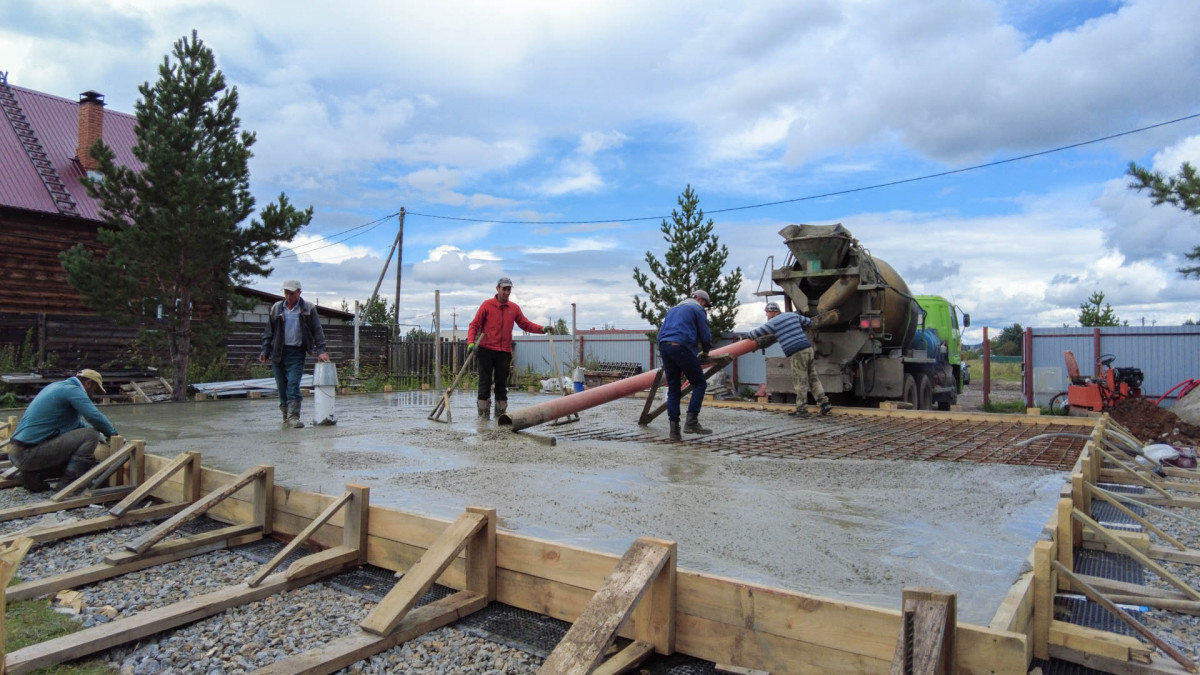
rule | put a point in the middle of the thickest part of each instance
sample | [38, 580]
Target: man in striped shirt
[788, 329]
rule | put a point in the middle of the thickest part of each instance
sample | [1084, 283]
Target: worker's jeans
[493, 369]
[804, 378]
[288, 372]
[58, 452]
[680, 361]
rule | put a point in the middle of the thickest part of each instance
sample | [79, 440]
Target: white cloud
[593, 142]
[316, 249]
[448, 264]
[573, 245]
[578, 176]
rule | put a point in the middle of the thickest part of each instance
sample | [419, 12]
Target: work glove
[703, 355]
[765, 341]
[470, 347]
[548, 330]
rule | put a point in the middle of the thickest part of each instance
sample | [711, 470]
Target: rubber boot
[800, 411]
[826, 407]
[75, 468]
[675, 435]
[484, 406]
[283, 409]
[693, 425]
[34, 481]
[501, 408]
[293, 416]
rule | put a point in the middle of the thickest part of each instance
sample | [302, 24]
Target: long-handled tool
[444, 402]
[573, 417]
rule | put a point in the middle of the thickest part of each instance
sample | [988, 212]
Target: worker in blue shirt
[685, 328]
[52, 440]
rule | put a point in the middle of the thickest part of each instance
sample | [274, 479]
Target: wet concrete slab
[856, 530]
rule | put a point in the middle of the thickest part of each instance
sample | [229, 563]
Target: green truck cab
[941, 316]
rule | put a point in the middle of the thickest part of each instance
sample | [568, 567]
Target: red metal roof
[55, 122]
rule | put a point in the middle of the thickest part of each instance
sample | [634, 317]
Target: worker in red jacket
[491, 335]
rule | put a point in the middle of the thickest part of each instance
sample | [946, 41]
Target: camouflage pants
[804, 378]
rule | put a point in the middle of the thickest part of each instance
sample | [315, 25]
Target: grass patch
[1008, 407]
[1007, 372]
[32, 621]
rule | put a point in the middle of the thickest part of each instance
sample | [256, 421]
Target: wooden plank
[1106, 496]
[10, 558]
[1138, 478]
[94, 573]
[349, 650]
[925, 644]
[91, 474]
[1106, 665]
[97, 497]
[1189, 556]
[391, 610]
[64, 530]
[626, 659]
[121, 557]
[582, 648]
[481, 556]
[654, 617]
[1101, 643]
[1137, 555]
[299, 539]
[144, 489]
[105, 636]
[1043, 599]
[1123, 588]
[194, 510]
[357, 521]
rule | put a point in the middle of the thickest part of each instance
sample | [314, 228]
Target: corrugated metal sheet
[1166, 355]
[55, 122]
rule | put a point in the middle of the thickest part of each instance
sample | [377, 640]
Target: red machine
[1101, 392]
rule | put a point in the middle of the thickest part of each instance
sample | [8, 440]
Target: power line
[836, 193]
[295, 252]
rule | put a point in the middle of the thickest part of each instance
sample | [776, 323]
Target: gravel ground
[1181, 631]
[244, 638]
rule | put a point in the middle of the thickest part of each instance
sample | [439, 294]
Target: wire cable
[296, 252]
[836, 193]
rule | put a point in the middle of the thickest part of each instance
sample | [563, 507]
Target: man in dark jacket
[490, 335]
[51, 438]
[684, 328]
[293, 331]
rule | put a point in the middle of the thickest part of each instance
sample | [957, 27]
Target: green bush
[1010, 407]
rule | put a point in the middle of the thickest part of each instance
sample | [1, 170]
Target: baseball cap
[291, 285]
[504, 281]
[94, 377]
[771, 307]
[701, 295]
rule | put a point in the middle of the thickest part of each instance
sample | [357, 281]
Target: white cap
[291, 285]
[771, 307]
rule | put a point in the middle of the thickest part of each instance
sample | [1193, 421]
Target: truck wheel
[925, 392]
[910, 391]
[944, 406]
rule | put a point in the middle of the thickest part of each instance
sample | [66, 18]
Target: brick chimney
[91, 127]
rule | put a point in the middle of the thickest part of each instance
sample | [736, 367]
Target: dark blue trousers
[288, 372]
[680, 361]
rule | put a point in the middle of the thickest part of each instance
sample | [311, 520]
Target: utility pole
[399, 267]
[454, 339]
[437, 339]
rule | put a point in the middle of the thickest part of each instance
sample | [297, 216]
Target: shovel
[444, 402]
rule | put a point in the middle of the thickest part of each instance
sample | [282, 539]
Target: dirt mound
[1152, 424]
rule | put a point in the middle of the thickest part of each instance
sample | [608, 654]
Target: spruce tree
[1096, 312]
[693, 262]
[1182, 192]
[176, 239]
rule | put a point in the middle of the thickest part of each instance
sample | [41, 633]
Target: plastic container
[578, 387]
[325, 383]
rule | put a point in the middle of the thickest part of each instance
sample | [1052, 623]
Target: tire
[925, 392]
[909, 394]
[943, 406]
[1058, 404]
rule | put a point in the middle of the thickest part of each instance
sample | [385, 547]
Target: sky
[546, 141]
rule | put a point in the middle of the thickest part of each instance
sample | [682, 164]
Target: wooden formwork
[642, 596]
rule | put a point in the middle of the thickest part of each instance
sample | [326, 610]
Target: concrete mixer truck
[874, 340]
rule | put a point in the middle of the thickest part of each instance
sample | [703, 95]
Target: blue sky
[605, 111]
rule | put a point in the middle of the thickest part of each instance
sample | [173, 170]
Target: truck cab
[941, 316]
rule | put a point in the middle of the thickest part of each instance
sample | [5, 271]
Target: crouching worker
[52, 440]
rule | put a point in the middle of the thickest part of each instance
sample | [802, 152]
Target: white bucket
[324, 392]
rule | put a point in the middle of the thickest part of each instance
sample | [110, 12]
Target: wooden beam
[1137, 477]
[390, 611]
[1115, 646]
[64, 530]
[97, 497]
[1137, 555]
[626, 659]
[481, 556]
[356, 521]
[1043, 598]
[1108, 497]
[106, 636]
[348, 650]
[10, 558]
[195, 510]
[1098, 597]
[146, 487]
[582, 648]
[926, 642]
[256, 578]
[169, 552]
[654, 618]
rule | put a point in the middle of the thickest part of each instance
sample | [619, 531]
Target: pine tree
[693, 262]
[1091, 313]
[1182, 192]
[174, 228]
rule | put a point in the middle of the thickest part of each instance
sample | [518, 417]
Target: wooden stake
[145, 488]
[197, 509]
[119, 457]
[299, 539]
[926, 642]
